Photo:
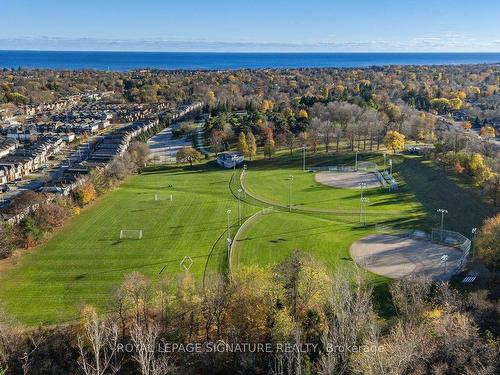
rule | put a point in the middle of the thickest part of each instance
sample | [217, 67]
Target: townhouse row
[21, 161]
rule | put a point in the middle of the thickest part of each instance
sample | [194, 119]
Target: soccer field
[85, 260]
[82, 263]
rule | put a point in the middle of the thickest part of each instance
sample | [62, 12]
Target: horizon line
[253, 52]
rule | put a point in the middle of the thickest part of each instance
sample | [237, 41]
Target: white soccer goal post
[131, 234]
[164, 197]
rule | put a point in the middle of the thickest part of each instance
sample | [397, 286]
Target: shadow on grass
[435, 190]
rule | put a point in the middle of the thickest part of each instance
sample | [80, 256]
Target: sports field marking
[399, 257]
[347, 180]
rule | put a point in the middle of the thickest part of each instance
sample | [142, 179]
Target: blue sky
[251, 25]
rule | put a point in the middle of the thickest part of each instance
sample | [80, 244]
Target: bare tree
[409, 297]
[216, 141]
[97, 345]
[351, 315]
[139, 153]
[148, 354]
[215, 301]
[27, 357]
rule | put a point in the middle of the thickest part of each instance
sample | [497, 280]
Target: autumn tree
[242, 144]
[120, 167]
[7, 240]
[492, 187]
[84, 194]
[478, 168]
[216, 141]
[487, 243]
[252, 145]
[139, 153]
[394, 140]
[466, 125]
[269, 145]
[188, 155]
[487, 131]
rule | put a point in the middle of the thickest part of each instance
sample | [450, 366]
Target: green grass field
[85, 260]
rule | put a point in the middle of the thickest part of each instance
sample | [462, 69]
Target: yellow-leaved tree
[252, 145]
[478, 168]
[487, 243]
[242, 144]
[394, 140]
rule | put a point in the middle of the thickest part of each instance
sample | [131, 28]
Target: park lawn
[435, 188]
[86, 260]
[272, 237]
[273, 186]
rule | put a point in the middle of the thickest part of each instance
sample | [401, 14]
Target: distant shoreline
[125, 61]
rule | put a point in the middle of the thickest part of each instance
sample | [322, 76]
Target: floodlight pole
[290, 179]
[228, 232]
[239, 207]
[363, 203]
[473, 231]
[362, 186]
[442, 211]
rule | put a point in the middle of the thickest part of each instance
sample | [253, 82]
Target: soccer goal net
[164, 197]
[130, 234]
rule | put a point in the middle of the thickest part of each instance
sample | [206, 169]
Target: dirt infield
[398, 257]
[347, 180]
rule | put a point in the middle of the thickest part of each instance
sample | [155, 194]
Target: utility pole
[290, 179]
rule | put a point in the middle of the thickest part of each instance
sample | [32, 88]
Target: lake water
[123, 61]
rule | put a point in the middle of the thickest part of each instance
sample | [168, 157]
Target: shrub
[84, 194]
[7, 240]
[487, 243]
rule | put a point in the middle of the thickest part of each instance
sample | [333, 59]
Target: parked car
[414, 150]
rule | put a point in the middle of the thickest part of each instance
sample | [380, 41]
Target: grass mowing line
[85, 260]
[241, 230]
[314, 209]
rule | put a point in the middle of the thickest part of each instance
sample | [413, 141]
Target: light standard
[362, 186]
[442, 211]
[228, 232]
[239, 206]
[444, 262]
[290, 179]
[356, 167]
[385, 160]
[304, 158]
[363, 203]
[233, 158]
[390, 163]
[473, 231]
